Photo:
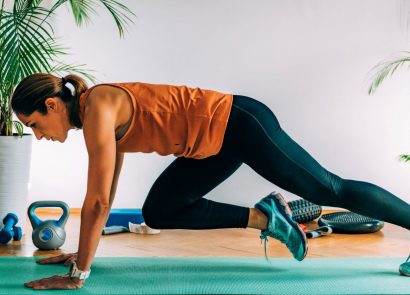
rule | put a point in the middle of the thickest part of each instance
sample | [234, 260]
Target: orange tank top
[186, 122]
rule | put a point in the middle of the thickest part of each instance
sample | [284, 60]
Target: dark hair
[31, 93]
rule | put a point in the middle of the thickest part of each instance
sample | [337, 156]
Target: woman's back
[167, 119]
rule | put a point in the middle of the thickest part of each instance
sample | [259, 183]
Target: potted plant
[28, 46]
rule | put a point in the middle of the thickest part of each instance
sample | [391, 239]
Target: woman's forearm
[118, 165]
[93, 218]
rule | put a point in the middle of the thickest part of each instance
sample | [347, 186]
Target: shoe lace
[264, 237]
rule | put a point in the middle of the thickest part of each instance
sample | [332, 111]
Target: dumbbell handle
[12, 220]
[36, 221]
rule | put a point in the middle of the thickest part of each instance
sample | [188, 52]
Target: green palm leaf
[404, 158]
[385, 69]
[119, 12]
[82, 10]
[63, 69]
[23, 44]
[28, 44]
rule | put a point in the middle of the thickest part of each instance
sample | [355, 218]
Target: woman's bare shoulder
[104, 90]
[110, 100]
[104, 94]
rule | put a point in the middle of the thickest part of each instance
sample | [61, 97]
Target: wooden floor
[391, 241]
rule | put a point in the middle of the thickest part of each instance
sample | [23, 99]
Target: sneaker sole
[283, 206]
[403, 273]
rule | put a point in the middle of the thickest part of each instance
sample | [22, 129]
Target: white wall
[309, 61]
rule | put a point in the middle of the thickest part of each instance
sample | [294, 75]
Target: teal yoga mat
[154, 275]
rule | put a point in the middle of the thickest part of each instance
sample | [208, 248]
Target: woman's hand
[67, 259]
[56, 282]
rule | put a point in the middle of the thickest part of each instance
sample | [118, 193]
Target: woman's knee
[151, 215]
[155, 217]
[152, 219]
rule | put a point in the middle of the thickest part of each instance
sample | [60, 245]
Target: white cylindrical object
[15, 159]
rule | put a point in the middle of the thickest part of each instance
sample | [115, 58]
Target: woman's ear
[51, 104]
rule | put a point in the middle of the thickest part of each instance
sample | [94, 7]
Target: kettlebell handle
[35, 221]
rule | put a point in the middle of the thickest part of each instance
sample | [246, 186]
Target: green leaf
[19, 128]
[63, 68]
[384, 69]
[82, 10]
[404, 158]
[120, 13]
[28, 44]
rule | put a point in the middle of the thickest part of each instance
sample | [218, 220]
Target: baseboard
[78, 210]
[57, 210]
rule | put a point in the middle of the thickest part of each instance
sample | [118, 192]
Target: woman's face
[54, 125]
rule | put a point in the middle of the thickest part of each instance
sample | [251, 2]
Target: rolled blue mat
[114, 229]
[121, 217]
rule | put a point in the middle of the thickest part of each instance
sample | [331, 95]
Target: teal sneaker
[281, 226]
[404, 268]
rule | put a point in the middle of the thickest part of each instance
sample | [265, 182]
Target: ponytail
[73, 97]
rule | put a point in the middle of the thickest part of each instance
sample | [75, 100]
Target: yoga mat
[158, 275]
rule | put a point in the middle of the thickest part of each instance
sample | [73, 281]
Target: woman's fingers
[57, 259]
[54, 282]
[36, 282]
[48, 260]
[70, 260]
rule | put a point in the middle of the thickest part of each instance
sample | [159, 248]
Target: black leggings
[254, 137]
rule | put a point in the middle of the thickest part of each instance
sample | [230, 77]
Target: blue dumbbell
[18, 233]
[10, 230]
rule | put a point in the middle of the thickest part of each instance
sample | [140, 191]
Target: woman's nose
[37, 134]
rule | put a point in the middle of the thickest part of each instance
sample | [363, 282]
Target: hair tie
[69, 86]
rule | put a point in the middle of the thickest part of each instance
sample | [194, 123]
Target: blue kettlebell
[48, 234]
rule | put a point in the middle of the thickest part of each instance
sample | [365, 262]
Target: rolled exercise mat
[350, 223]
[121, 217]
[304, 211]
[114, 229]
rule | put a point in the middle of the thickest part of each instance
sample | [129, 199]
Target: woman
[211, 134]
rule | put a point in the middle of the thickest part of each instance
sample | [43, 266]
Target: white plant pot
[15, 158]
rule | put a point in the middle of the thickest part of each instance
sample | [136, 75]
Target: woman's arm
[100, 122]
[99, 134]
[119, 159]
